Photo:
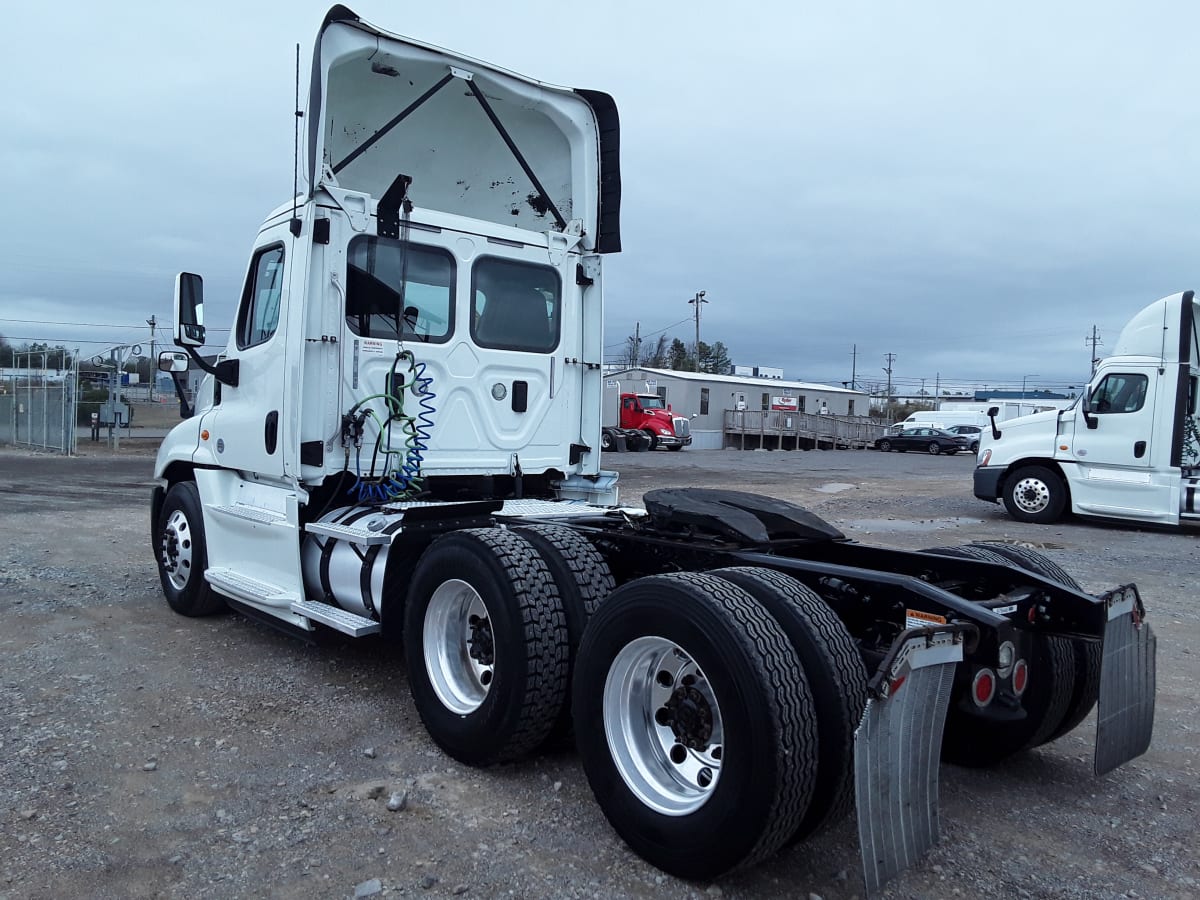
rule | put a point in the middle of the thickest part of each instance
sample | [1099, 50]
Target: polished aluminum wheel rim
[1031, 495]
[458, 646]
[176, 550]
[653, 698]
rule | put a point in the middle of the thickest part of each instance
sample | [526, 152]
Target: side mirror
[992, 412]
[172, 361]
[1085, 407]
[189, 310]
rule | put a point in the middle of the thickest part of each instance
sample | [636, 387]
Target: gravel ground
[147, 755]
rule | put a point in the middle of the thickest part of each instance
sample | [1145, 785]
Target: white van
[927, 418]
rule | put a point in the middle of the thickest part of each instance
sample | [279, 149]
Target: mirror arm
[225, 371]
[185, 408]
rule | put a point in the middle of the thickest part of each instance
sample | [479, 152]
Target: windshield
[652, 401]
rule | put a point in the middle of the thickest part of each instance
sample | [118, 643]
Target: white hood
[476, 140]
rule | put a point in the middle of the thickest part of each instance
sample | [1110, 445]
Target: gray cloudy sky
[969, 186]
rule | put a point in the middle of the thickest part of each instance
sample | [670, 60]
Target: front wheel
[934, 448]
[606, 441]
[653, 440]
[885, 446]
[182, 553]
[1035, 494]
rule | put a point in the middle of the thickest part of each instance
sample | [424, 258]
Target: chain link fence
[39, 404]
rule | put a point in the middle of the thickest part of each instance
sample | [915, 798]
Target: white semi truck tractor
[1127, 449]
[402, 438]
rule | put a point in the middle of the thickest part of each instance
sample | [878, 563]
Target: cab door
[248, 427]
[1122, 406]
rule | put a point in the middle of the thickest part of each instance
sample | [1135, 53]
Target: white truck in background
[402, 438]
[1127, 449]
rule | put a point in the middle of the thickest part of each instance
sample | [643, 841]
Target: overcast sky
[970, 187]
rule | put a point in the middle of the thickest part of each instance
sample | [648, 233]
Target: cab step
[243, 587]
[251, 513]
[336, 618]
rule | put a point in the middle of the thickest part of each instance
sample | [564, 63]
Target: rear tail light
[983, 688]
[1020, 678]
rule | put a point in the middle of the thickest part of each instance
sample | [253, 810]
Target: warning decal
[915, 618]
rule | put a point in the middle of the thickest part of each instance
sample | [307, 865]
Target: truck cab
[649, 413]
[1127, 449]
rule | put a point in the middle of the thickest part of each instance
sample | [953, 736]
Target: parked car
[931, 440]
[968, 431]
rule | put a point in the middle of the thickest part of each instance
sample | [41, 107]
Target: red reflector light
[983, 688]
[1020, 677]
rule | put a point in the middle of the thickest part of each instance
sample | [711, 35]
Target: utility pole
[1094, 340]
[152, 322]
[937, 389]
[698, 299]
[890, 357]
[853, 366]
[637, 344]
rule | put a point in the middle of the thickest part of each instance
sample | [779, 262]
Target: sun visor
[475, 140]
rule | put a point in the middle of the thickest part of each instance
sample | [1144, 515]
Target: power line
[651, 333]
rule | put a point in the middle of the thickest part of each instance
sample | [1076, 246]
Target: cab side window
[259, 315]
[1120, 393]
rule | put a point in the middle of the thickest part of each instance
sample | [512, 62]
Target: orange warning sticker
[915, 618]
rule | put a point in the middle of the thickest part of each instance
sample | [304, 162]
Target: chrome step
[252, 513]
[361, 536]
[336, 618]
[243, 587]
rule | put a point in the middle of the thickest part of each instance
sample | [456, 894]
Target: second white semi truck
[1127, 449]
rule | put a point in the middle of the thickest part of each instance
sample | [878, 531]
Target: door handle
[1139, 449]
[271, 432]
[520, 396]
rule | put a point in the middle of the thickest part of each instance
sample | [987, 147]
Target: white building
[704, 397]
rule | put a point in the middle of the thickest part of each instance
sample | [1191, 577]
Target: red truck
[650, 415]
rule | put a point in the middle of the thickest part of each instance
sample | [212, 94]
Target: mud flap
[897, 749]
[1125, 716]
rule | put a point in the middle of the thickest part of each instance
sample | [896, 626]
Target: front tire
[653, 440]
[606, 441]
[1035, 494]
[182, 553]
[486, 640]
[695, 724]
[934, 448]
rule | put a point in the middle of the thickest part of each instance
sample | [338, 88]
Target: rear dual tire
[1055, 695]
[487, 643]
[779, 685]
[696, 730]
